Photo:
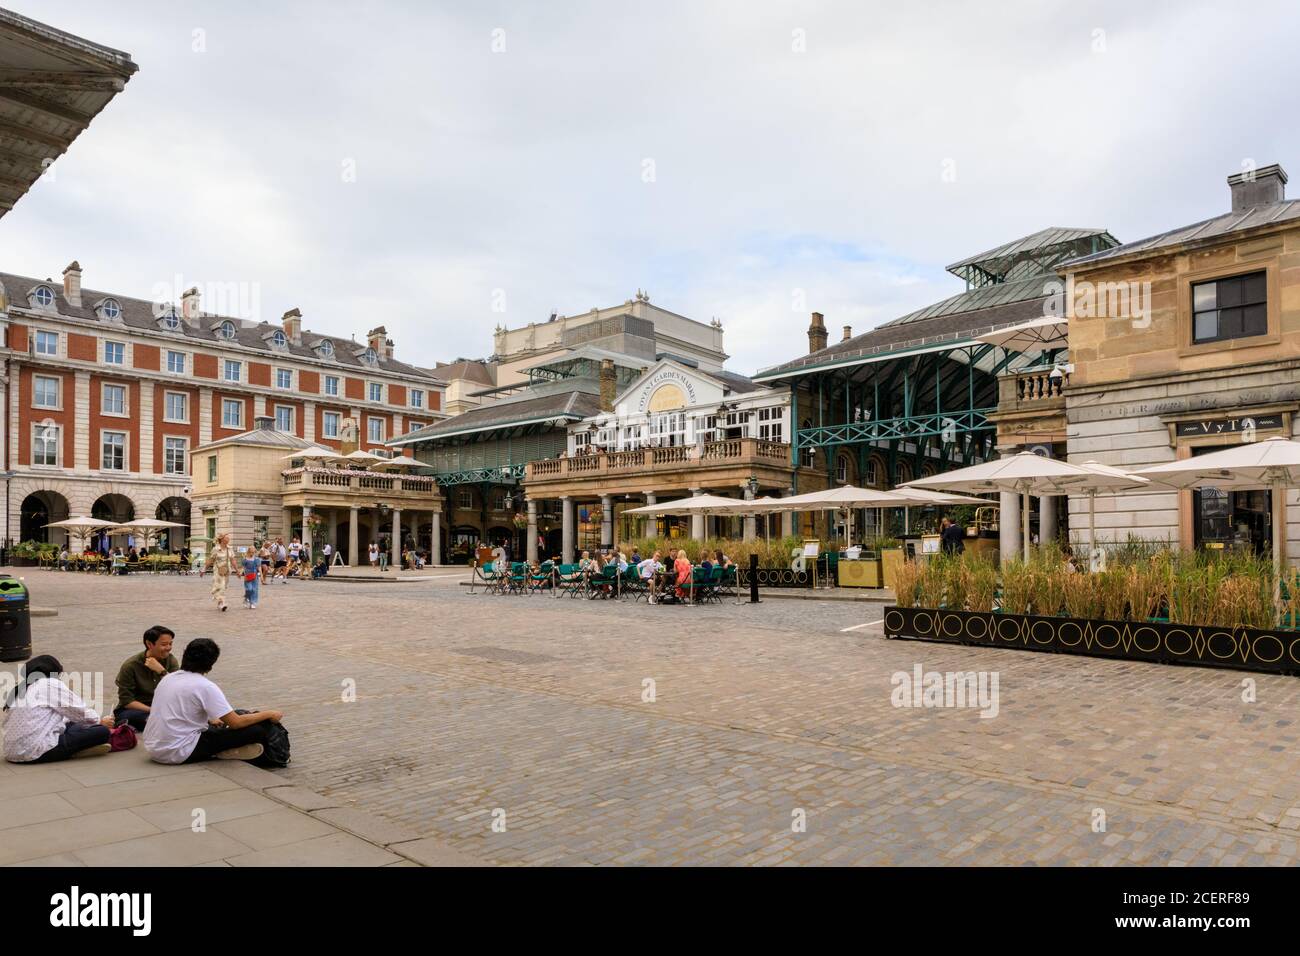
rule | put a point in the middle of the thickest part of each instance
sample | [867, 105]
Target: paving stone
[339, 849]
[223, 805]
[73, 833]
[263, 831]
[245, 774]
[301, 798]
[40, 808]
[177, 848]
[429, 852]
[366, 825]
[146, 791]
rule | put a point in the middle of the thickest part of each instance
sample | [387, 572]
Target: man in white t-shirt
[191, 720]
[648, 569]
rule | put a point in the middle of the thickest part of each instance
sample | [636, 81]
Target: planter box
[1273, 651]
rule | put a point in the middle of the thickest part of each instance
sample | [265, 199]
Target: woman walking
[252, 575]
[222, 562]
[374, 555]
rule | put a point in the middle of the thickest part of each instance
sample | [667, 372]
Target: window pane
[1203, 296]
[1255, 288]
[1229, 323]
[1254, 320]
[1207, 326]
[1229, 293]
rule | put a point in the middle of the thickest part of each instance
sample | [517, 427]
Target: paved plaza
[434, 725]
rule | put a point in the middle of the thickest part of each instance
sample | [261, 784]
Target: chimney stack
[190, 310]
[848, 333]
[264, 423]
[816, 334]
[293, 326]
[378, 340]
[72, 283]
[1257, 186]
[608, 385]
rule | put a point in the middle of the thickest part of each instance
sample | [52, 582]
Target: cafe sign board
[1244, 425]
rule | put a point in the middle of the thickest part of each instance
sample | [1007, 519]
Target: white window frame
[771, 424]
[107, 344]
[37, 428]
[463, 496]
[185, 407]
[36, 297]
[415, 398]
[58, 392]
[374, 391]
[185, 451]
[326, 382]
[36, 342]
[103, 447]
[325, 424]
[226, 364]
[184, 362]
[103, 400]
[111, 309]
[371, 422]
[276, 410]
[288, 386]
[227, 403]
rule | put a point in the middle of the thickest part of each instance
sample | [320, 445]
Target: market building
[941, 387]
[1184, 342]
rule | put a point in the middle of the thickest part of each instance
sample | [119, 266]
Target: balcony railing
[369, 482]
[728, 452]
[1038, 388]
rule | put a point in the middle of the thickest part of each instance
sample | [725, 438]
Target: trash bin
[15, 620]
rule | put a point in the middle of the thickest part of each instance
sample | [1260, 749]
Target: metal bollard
[753, 579]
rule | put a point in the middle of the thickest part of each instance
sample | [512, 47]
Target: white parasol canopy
[1273, 463]
[312, 451]
[359, 455]
[150, 528]
[696, 504]
[81, 526]
[1029, 337]
[1029, 474]
[401, 461]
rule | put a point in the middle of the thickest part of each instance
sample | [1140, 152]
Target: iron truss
[497, 474]
[945, 425]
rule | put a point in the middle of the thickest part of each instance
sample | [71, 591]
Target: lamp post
[4, 552]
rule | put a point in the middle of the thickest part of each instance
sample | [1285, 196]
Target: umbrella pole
[1092, 525]
[1024, 523]
[1279, 543]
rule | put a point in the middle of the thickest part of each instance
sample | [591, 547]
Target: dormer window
[169, 320]
[279, 340]
[110, 309]
[326, 349]
[370, 357]
[226, 330]
[43, 296]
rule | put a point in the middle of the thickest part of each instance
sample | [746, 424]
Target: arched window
[326, 349]
[371, 357]
[110, 309]
[170, 320]
[842, 468]
[226, 330]
[43, 296]
[279, 340]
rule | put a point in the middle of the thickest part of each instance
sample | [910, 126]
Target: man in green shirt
[139, 675]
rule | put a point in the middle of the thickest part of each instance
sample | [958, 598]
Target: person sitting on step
[47, 720]
[139, 675]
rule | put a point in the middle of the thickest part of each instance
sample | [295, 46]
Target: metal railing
[729, 451]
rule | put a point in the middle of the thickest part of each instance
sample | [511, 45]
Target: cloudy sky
[425, 165]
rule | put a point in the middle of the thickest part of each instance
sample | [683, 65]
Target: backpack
[275, 751]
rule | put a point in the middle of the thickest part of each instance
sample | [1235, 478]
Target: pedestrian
[952, 537]
[47, 720]
[373, 554]
[222, 563]
[266, 562]
[383, 554]
[328, 551]
[252, 567]
[281, 556]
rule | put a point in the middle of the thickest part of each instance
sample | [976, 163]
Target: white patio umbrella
[844, 498]
[310, 452]
[695, 505]
[150, 528]
[359, 456]
[401, 461]
[1273, 463]
[81, 526]
[1027, 474]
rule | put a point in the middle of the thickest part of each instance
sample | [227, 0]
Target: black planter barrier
[1274, 651]
[778, 578]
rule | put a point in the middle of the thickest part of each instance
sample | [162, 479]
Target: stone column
[435, 546]
[1009, 525]
[787, 519]
[306, 532]
[567, 530]
[395, 545]
[697, 521]
[334, 528]
[1046, 519]
[531, 550]
[606, 522]
[751, 530]
[286, 525]
[353, 532]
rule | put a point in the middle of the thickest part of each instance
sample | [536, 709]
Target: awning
[1029, 337]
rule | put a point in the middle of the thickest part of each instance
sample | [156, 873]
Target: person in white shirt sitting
[649, 570]
[48, 721]
[191, 720]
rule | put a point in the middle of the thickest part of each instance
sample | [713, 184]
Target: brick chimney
[1257, 186]
[848, 333]
[190, 310]
[72, 283]
[293, 326]
[380, 342]
[816, 334]
[608, 385]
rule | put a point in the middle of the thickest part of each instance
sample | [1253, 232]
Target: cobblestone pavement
[532, 714]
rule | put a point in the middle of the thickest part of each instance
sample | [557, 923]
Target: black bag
[275, 751]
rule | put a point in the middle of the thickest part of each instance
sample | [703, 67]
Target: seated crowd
[181, 715]
[669, 579]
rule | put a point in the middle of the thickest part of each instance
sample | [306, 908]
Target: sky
[445, 168]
